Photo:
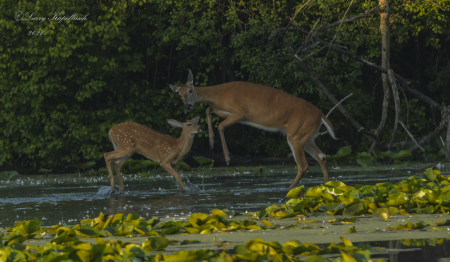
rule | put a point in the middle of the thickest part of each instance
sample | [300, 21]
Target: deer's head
[191, 126]
[187, 92]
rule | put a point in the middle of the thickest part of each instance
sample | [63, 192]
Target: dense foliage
[64, 83]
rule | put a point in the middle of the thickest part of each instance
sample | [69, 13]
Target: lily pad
[8, 175]
[183, 166]
[365, 159]
[401, 156]
[295, 192]
[203, 161]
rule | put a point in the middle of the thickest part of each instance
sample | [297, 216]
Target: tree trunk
[447, 140]
[385, 58]
[396, 96]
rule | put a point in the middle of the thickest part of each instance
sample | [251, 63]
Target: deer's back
[130, 134]
[266, 105]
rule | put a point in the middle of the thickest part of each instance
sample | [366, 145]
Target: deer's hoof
[228, 162]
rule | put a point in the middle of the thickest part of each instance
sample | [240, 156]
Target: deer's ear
[174, 123]
[174, 88]
[196, 119]
[190, 77]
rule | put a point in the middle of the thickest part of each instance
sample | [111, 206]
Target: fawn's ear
[174, 123]
[196, 119]
[174, 88]
[190, 77]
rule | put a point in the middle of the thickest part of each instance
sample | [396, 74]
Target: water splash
[190, 187]
[106, 190]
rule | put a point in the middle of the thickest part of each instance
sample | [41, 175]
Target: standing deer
[265, 108]
[129, 138]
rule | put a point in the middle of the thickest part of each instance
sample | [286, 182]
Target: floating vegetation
[410, 226]
[204, 161]
[65, 246]
[427, 194]
[345, 154]
[8, 175]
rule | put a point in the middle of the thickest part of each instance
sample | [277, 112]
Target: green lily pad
[198, 219]
[28, 227]
[8, 175]
[155, 243]
[365, 159]
[44, 171]
[378, 154]
[144, 174]
[183, 166]
[342, 152]
[150, 163]
[203, 160]
[189, 242]
[295, 192]
[331, 207]
[401, 156]
[355, 209]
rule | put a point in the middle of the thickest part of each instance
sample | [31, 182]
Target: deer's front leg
[210, 110]
[168, 167]
[231, 119]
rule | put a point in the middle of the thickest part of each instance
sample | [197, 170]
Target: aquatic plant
[427, 194]
[255, 250]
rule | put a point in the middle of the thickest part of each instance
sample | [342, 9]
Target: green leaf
[355, 209]
[365, 159]
[155, 244]
[203, 160]
[343, 152]
[295, 192]
[331, 207]
[198, 219]
[8, 175]
[402, 155]
[183, 166]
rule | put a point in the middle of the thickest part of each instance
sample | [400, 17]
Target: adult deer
[129, 138]
[263, 107]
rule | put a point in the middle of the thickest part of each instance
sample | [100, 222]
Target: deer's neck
[185, 143]
[206, 95]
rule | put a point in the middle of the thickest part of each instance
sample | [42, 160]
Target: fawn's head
[191, 126]
[187, 92]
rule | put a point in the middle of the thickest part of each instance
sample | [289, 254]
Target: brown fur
[263, 107]
[130, 138]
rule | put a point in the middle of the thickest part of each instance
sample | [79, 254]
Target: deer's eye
[189, 124]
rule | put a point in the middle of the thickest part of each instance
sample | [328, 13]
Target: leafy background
[60, 92]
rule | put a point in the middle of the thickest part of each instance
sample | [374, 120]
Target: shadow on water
[59, 198]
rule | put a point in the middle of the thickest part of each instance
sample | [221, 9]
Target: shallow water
[71, 197]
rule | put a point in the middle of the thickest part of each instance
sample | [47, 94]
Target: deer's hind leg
[116, 155]
[318, 155]
[117, 165]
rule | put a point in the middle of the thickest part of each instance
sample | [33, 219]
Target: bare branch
[402, 81]
[340, 102]
[351, 19]
[325, 90]
[430, 136]
[410, 135]
[396, 106]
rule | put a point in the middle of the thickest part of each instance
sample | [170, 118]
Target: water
[60, 198]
